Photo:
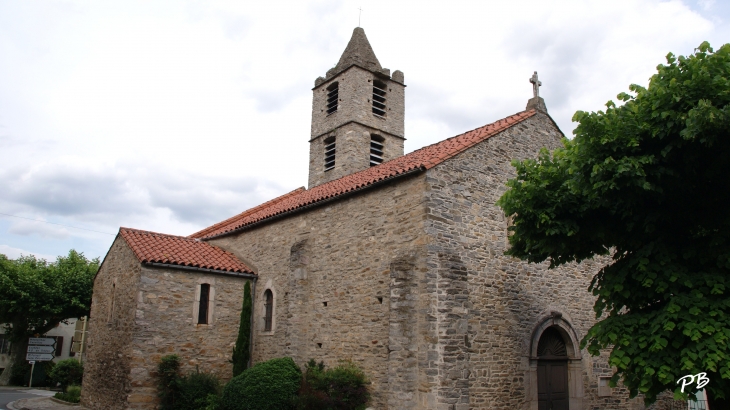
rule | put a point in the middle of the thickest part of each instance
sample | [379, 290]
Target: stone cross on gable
[535, 85]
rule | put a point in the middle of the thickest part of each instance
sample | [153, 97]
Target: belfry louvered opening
[329, 153]
[379, 98]
[376, 150]
[333, 96]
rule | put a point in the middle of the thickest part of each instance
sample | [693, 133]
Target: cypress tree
[241, 353]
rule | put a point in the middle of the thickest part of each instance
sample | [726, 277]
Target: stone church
[393, 261]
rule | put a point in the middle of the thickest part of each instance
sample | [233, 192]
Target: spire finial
[535, 85]
[358, 16]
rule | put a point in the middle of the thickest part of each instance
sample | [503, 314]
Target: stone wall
[355, 93]
[353, 123]
[352, 145]
[486, 305]
[107, 366]
[337, 295]
[165, 323]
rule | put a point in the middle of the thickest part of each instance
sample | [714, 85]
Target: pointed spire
[359, 52]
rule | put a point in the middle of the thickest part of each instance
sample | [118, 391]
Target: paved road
[8, 394]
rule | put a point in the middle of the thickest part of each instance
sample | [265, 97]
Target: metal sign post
[32, 367]
[39, 349]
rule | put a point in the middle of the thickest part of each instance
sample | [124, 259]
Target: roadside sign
[42, 341]
[41, 357]
[41, 349]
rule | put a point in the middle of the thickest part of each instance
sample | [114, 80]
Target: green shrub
[20, 374]
[341, 388]
[72, 394]
[270, 385]
[168, 388]
[19, 371]
[241, 353]
[66, 372]
[196, 389]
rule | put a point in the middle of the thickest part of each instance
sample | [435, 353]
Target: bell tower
[357, 114]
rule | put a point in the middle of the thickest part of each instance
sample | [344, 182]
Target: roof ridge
[466, 132]
[142, 231]
[204, 231]
[424, 158]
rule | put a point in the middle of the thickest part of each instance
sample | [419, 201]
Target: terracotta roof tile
[232, 220]
[179, 250]
[422, 159]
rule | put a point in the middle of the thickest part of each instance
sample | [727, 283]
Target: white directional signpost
[40, 349]
[41, 341]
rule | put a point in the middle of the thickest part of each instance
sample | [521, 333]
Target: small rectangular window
[332, 98]
[376, 150]
[269, 310]
[4, 345]
[329, 153]
[379, 98]
[203, 309]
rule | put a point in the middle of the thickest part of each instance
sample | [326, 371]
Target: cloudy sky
[172, 115]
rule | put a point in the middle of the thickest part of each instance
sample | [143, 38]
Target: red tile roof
[422, 159]
[179, 250]
[232, 220]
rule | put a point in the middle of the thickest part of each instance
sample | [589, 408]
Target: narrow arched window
[379, 98]
[269, 308]
[332, 97]
[376, 150]
[204, 302]
[329, 153]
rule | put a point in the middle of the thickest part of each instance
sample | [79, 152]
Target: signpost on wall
[40, 349]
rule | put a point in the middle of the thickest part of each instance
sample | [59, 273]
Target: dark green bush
[241, 353]
[270, 385]
[72, 394]
[196, 391]
[19, 373]
[168, 388]
[66, 372]
[341, 388]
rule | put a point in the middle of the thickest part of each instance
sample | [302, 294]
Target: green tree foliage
[35, 296]
[241, 352]
[67, 372]
[167, 381]
[343, 387]
[196, 391]
[648, 184]
[270, 385]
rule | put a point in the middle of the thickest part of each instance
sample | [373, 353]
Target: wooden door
[552, 385]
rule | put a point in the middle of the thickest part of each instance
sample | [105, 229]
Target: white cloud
[171, 115]
[43, 230]
[15, 253]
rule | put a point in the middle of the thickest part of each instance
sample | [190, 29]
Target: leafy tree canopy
[35, 295]
[648, 184]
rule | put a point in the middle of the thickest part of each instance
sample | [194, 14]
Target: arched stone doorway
[552, 371]
[554, 380]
